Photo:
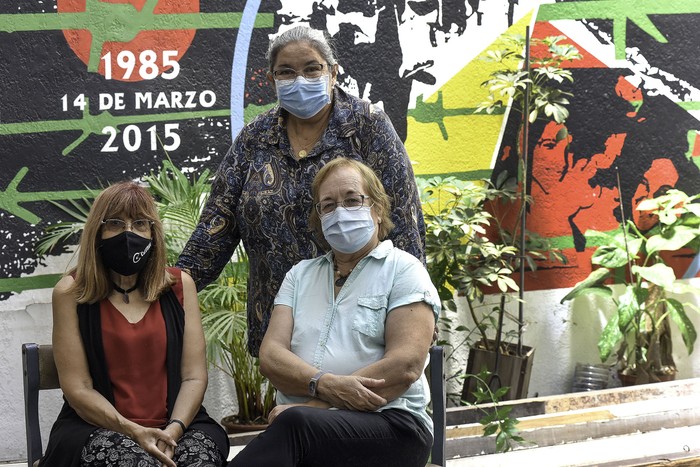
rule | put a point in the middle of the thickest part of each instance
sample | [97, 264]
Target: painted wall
[98, 91]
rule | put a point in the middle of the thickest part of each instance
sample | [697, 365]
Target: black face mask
[126, 253]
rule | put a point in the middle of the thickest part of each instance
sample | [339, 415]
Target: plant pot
[629, 378]
[232, 425]
[514, 370]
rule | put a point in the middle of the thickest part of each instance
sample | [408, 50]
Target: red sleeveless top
[135, 354]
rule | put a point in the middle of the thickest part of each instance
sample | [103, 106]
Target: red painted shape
[544, 29]
[80, 41]
[555, 176]
[630, 93]
[696, 146]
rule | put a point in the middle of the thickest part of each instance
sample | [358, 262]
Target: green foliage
[639, 329]
[496, 419]
[509, 83]
[59, 234]
[223, 302]
[469, 250]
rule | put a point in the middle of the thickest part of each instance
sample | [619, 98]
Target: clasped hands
[159, 443]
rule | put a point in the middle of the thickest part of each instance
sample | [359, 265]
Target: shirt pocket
[371, 313]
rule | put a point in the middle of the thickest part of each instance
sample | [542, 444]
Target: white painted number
[132, 138]
[112, 132]
[78, 102]
[148, 67]
[126, 62]
[169, 60]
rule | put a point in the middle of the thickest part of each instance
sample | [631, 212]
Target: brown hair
[123, 199]
[375, 190]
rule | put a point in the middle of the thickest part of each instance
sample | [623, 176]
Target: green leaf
[658, 274]
[610, 256]
[685, 325]
[609, 338]
[675, 239]
[591, 284]
[489, 430]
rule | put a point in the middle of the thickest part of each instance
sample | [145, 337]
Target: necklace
[306, 147]
[340, 281]
[126, 292]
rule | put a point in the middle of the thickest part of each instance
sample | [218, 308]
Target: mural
[101, 90]
[633, 119]
[95, 91]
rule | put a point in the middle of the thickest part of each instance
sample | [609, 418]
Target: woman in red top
[129, 348]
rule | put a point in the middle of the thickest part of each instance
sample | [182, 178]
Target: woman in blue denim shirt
[350, 331]
[261, 194]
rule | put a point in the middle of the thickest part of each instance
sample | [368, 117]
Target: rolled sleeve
[412, 285]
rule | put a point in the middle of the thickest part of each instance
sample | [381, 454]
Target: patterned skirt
[106, 448]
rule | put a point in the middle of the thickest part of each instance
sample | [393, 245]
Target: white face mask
[348, 231]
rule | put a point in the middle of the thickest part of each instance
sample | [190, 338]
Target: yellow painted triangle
[466, 142]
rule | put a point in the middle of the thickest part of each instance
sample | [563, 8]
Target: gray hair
[316, 38]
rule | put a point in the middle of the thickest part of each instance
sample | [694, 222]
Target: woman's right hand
[157, 443]
[351, 392]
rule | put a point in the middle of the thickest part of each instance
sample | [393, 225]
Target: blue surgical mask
[304, 97]
[348, 231]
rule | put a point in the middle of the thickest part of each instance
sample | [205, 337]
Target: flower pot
[629, 377]
[513, 370]
[232, 425]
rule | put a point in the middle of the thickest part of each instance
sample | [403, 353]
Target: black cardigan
[70, 432]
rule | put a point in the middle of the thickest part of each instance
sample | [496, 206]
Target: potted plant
[468, 251]
[497, 247]
[638, 334]
[223, 302]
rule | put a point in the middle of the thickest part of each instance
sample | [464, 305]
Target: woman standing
[129, 348]
[350, 331]
[261, 195]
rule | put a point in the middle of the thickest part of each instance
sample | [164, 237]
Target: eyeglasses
[351, 203]
[118, 225]
[289, 75]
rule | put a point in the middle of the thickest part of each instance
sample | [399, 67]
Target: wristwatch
[313, 383]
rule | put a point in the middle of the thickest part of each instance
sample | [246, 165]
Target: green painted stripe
[20, 284]
[690, 105]
[467, 176]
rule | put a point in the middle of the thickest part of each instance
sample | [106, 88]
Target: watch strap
[313, 383]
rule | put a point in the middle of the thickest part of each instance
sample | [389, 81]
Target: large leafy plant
[469, 250]
[639, 331]
[223, 302]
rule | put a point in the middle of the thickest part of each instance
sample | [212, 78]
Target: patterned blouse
[262, 196]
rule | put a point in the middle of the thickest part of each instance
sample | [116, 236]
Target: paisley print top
[261, 196]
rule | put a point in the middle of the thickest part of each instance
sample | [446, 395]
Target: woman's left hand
[175, 431]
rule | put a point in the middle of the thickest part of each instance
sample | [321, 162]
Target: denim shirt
[262, 196]
[345, 333]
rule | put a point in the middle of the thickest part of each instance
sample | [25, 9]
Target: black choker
[126, 292]
[340, 281]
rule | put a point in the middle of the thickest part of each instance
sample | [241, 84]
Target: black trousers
[310, 437]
